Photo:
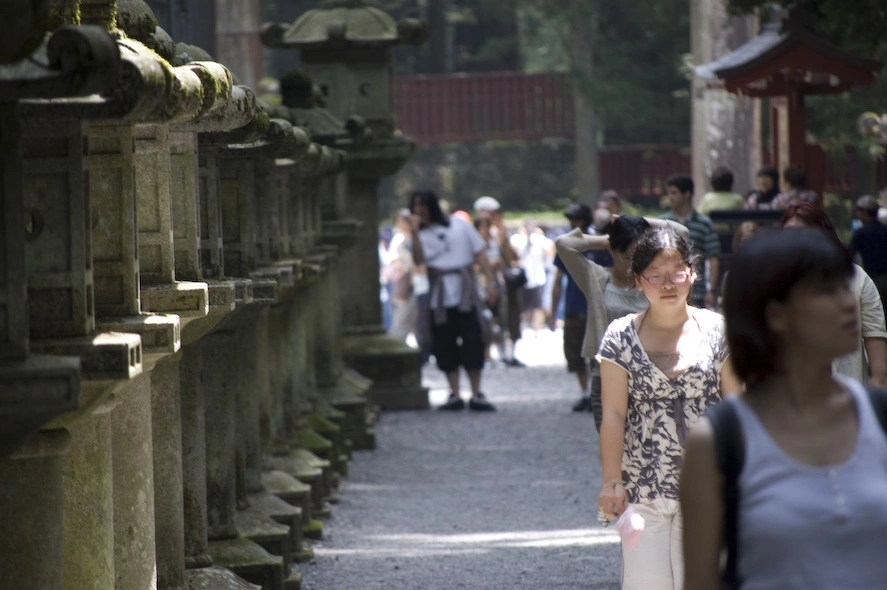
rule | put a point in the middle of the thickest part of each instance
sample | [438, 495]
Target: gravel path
[476, 501]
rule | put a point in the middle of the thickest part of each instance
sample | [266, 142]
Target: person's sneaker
[583, 405]
[479, 403]
[513, 362]
[454, 402]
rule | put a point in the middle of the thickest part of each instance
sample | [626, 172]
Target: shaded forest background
[628, 59]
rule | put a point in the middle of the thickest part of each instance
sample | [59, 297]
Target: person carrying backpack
[791, 475]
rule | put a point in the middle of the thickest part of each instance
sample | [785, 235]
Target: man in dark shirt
[870, 242]
[575, 310]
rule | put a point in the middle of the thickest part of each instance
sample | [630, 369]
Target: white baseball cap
[487, 204]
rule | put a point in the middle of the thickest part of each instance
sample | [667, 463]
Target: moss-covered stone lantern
[345, 49]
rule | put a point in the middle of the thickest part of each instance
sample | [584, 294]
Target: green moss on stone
[313, 530]
[309, 439]
[321, 424]
[63, 12]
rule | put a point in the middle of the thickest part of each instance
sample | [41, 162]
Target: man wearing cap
[489, 208]
[575, 309]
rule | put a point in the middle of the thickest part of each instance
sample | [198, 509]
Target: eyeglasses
[678, 278]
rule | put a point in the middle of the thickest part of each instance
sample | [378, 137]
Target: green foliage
[637, 80]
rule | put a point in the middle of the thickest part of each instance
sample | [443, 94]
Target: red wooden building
[785, 63]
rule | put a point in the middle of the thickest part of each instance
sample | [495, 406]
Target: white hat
[487, 204]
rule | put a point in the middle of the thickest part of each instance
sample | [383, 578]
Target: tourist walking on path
[484, 226]
[703, 239]
[404, 309]
[870, 242]
[532, 248]
[870, 356]
[809, 456]
[660, 370]
[575, 310]
[511, 305]
[721, 197]
[609, 293]
[449, 248]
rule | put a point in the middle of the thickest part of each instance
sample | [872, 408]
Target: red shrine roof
[787, 56]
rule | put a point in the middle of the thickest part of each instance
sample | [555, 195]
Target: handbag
[515, 277]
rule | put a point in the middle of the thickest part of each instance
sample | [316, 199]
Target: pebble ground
[477, 501]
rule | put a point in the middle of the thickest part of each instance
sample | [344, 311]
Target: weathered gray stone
[166, 419]
[88, 525]
[186, 299]
[194, 466]
[217, 578]
[58, 248]
[133, 485]
[184, 186]
[33, 391]
[103, 356]
[219, 363]
[160, 333]
[110, 150]
[31, 509]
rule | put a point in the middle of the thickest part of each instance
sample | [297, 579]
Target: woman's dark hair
[656, 241]
[626, 231]
[682, 182]
[770, 171]
[795, 177]
[767, 268]
[812, 216]
[722, 179]
[430, 200]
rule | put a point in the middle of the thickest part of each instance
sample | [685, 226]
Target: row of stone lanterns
[175, 407]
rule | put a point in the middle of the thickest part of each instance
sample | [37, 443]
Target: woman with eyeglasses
[610, 292]
[660, 370]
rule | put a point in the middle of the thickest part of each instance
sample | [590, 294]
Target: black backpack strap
[879, 403]
[730, 452]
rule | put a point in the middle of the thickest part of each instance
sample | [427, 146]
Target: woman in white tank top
[811, 512]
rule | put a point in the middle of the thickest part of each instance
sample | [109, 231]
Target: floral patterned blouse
[661, 410]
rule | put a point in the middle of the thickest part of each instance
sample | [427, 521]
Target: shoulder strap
[730, 452]
[879, 403]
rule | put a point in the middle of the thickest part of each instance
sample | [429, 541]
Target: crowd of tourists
[779, 486]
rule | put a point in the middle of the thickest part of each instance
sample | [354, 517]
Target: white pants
[403, 318]
[656, 562]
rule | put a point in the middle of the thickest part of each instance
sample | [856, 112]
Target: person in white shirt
[450, 248]
[532, 248]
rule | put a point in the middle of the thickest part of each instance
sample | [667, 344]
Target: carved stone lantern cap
[343, 23]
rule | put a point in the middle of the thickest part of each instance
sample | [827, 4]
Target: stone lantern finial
[345, 23]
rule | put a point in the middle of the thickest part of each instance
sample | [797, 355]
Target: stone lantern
[345, 48]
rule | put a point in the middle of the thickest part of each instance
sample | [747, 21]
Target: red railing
[516, 106]
[483, 107]
[641, 170]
